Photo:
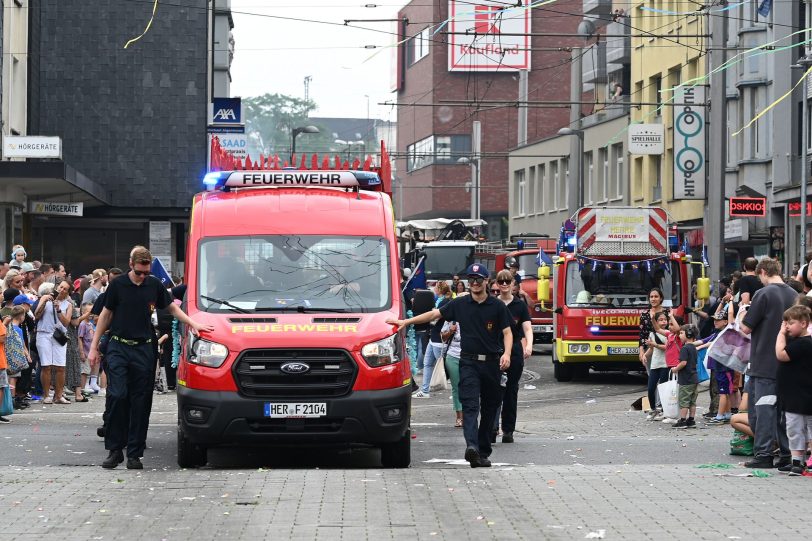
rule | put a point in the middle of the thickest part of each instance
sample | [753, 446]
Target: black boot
[134, 463]
[507, 437]
[115, 458]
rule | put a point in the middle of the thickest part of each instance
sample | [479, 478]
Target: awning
[52, 180]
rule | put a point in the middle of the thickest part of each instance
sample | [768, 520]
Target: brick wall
[429, 82]
[135, 119]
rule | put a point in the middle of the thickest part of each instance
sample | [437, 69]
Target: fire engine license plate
[310, 409]
[622, 351]
[542, 328]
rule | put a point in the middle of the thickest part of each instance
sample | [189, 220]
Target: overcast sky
[274, 55]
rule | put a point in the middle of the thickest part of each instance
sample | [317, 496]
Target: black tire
[563, 372]
[190, 455]
[398, 454]
[581, 371]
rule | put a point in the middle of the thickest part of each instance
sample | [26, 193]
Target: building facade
[132, 126]
[668, 49]
[439, 99]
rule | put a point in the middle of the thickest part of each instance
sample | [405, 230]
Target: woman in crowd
[53, 312]
[73, 365]
[434, 351]
[655, 299]
[451, 331]
[13, 279]
[459, 288]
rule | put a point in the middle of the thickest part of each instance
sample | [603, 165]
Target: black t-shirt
[438, 325]
[688, 375]
[132, 306]
[749, 284]
[794, 378]
[519, 313]
[481, 323]
[98, 306]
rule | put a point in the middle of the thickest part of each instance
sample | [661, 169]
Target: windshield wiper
[301, 309]
[226, 303]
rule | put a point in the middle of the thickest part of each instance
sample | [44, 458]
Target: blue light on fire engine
[211, 180]
[594, 329]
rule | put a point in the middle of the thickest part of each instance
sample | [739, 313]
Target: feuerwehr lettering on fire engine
[291, 177]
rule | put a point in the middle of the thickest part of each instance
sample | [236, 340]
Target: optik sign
[226, 111]
[689, 143]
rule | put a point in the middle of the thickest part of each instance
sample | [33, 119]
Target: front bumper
[598, 352]
[355, 419]
[542, 334]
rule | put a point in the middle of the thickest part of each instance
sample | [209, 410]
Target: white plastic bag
[669, 391]
[438, 378]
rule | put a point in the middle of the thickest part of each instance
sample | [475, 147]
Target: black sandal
[83, 399]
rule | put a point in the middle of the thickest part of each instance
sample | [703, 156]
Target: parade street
[583, 467]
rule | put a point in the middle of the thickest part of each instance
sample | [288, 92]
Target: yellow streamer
[773, 104]
[149, 24]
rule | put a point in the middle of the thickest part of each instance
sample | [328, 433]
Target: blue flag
[158, 271]
[765, 7]
[417, 280]
[705, 256]
[542, 257]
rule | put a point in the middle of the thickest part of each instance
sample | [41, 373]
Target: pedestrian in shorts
[687, 378]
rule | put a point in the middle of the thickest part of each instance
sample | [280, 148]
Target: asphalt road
[582, 422]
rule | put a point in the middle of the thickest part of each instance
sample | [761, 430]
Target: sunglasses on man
[475, 279]
[142, 273]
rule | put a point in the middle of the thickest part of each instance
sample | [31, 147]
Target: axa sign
[226, 111]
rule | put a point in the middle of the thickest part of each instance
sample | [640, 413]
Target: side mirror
[559, 310]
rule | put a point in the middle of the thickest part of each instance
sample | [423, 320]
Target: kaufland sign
[488, 36]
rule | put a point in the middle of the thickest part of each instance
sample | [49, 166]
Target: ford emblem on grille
[295, 368]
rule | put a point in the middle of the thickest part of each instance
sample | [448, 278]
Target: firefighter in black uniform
[130, 357]
[486, 342]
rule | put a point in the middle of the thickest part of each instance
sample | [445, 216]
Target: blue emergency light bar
[291, 178]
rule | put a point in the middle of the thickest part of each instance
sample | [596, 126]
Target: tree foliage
[269, 123]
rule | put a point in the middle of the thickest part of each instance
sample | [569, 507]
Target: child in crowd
[657, 368]
[87, 329]
[725, 377]
[793, 348]
[687, 378]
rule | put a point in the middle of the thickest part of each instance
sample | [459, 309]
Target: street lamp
[350, 144]
[803, 63]
[474, 184]
[580, 135]
[295, 133]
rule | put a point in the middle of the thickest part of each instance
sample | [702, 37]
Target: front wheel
[398, 454]
[562, 371]
[190, 455]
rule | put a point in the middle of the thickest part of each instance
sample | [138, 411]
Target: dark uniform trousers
[130, 378]
[510, 395]
[480, 396]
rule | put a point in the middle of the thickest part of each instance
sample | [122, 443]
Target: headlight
[578, 348]
[206, 353]
[382, 352]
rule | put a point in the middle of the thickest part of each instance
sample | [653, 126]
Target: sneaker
[809, 464]
[785, 468]
[421, 394]
[709, 415]
[658, 417]
[718, 421]
[669, 420]
[682, 423]
[797, 468]
[651, 415]
[4, 419]
[690, 423]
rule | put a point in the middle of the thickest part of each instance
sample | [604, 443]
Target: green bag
[741, 444]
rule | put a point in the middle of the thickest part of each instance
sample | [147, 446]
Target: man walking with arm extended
[486, 343]
[130, 358]
[763, 322]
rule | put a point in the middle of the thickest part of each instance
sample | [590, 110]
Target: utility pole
[576, 188]
[476, 149]
[307, 80]
[715, 219]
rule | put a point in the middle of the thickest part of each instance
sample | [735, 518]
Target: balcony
[593, 67]
[618, 50]
[598, 11]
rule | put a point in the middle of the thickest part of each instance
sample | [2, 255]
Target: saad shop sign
[488, 36]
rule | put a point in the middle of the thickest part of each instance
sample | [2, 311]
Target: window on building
[603, 178]
[657, 189]
[540, 187]
[442, 147]
[657, 86]
[589, 178]
[418, 47]
[531, 190]
[420, 154]
[637, 191]
[553, 185]
[564, 189]
[617, 180]
[437, 149]
[518, 189]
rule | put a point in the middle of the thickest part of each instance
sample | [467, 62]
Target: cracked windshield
[294, 273]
